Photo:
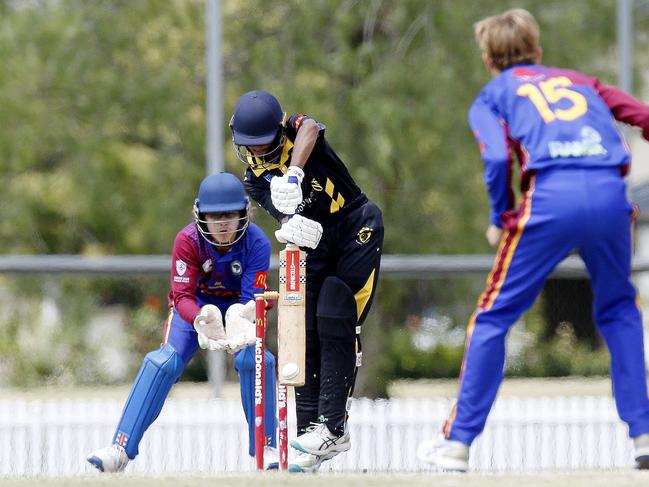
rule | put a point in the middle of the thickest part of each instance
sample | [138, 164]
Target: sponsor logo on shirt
[527, 75]
[590, 144]
[298, 121]
[260, 280]
[316, 185]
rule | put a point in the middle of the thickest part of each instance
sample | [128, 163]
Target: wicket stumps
[260, 385]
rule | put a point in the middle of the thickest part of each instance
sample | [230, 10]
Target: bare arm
[304, 142]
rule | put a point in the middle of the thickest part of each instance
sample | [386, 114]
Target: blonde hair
[509, 38]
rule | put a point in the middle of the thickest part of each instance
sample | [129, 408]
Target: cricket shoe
[447, 455]
[308, 463]
[271, 458]
[641, 444]
[110, 459]
[318, 440]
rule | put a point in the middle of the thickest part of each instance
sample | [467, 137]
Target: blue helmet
[258, 120]
[221, 193]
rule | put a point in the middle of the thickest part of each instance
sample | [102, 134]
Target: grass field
[621, 478]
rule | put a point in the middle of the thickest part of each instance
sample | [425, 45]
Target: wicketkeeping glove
[240, 326]
[301, 231]
[286, 190]
[209, 325]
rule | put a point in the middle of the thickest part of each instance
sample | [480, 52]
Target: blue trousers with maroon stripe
[150, 389]
[565, 209]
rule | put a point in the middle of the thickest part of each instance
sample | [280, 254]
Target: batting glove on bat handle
[286, 190]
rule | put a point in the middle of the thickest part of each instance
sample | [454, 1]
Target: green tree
[102, 143]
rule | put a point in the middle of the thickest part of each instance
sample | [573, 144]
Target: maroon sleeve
[624, 107]
[185, 271]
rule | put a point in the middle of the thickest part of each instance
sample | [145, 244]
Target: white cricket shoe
[641, 444]
[449, 455]
[318, 440]
[110, 459]
[308, 463]
[271, 458]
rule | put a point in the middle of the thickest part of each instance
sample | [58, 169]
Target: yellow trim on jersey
[255, 164]
[363, 296]
[336, 202]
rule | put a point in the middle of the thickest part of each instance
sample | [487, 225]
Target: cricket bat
[291, 316]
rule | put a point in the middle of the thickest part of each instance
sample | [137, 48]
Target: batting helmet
[221, 193]
[258, 120]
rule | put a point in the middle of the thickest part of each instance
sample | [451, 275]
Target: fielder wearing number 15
[297, 177]
[560, 124]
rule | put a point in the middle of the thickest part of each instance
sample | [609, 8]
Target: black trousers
[350, 249]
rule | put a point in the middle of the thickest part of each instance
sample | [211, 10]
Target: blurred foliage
[102, 144]
[559, 356]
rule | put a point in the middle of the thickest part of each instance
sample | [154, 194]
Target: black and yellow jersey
[327, 189]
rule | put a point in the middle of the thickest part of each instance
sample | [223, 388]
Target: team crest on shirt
[181, 267]
[363, 235]
[236, 268]
[207, 266]
[316, 185]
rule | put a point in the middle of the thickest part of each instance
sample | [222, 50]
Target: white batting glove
[301, 231]
[209, 322]
[240, 326]
[286, 190]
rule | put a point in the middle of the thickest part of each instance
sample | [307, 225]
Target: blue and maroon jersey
[201, 275]
[549, 118]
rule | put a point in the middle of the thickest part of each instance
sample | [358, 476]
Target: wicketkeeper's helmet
[220, 193]
[258, 120]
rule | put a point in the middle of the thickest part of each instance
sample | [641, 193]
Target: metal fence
[392, 266]
[52, 438]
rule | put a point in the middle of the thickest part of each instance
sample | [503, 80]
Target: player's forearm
[187, 308]
[497, 179]
[305, 141]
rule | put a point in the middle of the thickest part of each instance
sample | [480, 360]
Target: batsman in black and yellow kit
[297, 177]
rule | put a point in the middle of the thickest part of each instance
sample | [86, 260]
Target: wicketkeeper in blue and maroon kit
[219, 262]
[560, 124]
